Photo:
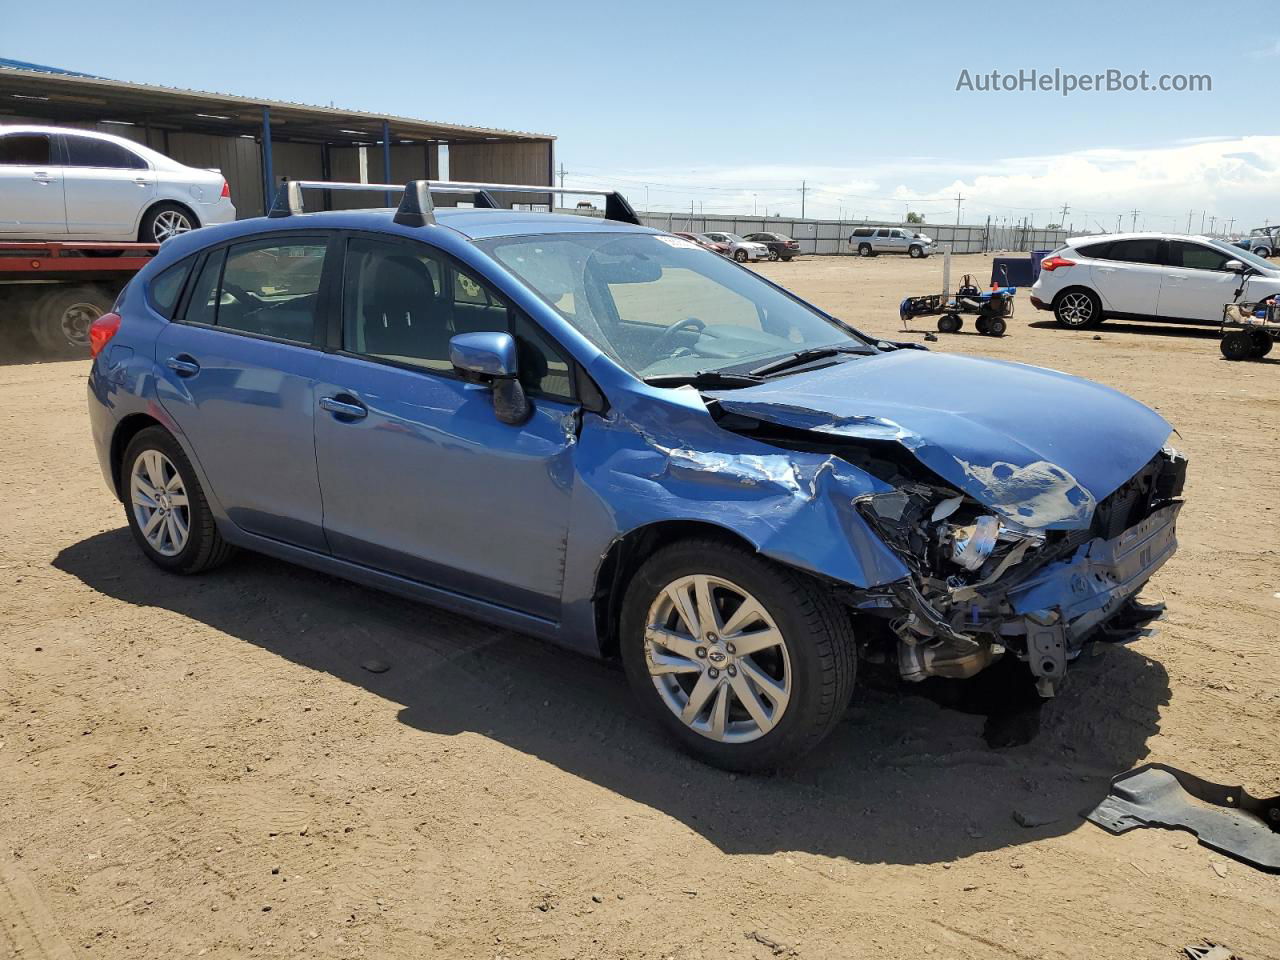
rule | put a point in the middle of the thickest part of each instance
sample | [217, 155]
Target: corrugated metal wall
[503, 163]
[832, 236]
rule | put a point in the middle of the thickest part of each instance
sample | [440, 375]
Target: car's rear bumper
[1040, 304]
[220, 211]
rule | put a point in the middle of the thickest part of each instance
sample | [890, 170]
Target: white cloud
[1224, 177]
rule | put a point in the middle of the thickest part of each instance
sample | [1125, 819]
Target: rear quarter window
[166, 287]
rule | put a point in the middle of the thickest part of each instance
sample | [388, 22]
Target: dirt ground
[202, 768]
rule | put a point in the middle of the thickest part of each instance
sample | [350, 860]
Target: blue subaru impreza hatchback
[602, 435]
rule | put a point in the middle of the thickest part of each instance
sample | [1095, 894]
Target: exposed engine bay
[982, 585]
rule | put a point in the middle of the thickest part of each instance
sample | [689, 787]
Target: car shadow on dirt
[902, 780]
[1153, 329]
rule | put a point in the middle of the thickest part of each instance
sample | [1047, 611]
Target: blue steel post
[268, 174]
[386, 157]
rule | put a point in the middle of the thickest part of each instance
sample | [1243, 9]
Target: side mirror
[1233, 266]
[490, 358]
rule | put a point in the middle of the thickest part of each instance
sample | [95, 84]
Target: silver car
[869, 241]
[740, 249]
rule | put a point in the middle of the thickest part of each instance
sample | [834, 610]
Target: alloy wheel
[1075, 309]
[160, 505]
[170, 223]
[717, 659]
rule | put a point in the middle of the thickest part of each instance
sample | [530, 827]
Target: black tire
[156, 221]
[205, 548]
[1077, 309]
[773, 255]
[817, 632]
[1262, 343]
[1264, 253]
[740, 256]
[996, 327]
[787, 259]
[980, 324]
[1237, 345]
[950, 323]
[59, 319]
[864, 250]
[916, 251]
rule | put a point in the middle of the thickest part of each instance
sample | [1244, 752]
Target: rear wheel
[746, 663]
[1078, 309]
[996, 327]
[168, 514]
[864, 249]
[773, 254]
[1262, 342]
[163, 221]
[1262, 252]
[59, 319]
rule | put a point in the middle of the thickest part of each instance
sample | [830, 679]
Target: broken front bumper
[1063, 602]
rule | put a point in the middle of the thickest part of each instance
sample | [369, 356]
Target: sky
[732, 107]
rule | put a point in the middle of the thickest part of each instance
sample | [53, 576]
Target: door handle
[183, 365]
[344, 407]
[1106, 269]
[41, 177]
[141, 181]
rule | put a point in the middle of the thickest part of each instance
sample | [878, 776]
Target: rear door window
[90, 152]
[25, 150]
[167, 286]
[268, 288]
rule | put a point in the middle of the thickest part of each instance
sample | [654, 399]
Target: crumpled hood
[1036, 446]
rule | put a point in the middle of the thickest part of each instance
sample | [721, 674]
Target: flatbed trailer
[52, 291]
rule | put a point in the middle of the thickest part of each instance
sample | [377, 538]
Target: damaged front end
[1003, 559]
[983, 585]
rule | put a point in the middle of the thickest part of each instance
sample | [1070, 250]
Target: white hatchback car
[63, 184]
[1149, 276]
[740, 249]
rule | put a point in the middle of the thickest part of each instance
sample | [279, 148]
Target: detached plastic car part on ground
[607, 437]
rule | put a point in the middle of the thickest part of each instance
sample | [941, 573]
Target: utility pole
[1135, 219]
[1202, 221]
[1211, 222]
[958, 199]
[1119, 217]
[562, 175]
[1189, 213]
[804, 188]
[1065, 210]
[1230, 223]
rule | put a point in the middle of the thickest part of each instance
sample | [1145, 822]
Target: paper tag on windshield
[679, 242]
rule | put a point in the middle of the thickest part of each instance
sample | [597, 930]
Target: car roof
[478, 223]
[1148, 235]
[155, 156]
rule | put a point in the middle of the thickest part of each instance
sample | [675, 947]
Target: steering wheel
[663, 344]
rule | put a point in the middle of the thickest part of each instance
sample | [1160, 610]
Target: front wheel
[740, 256]
[746, 663]
[1078, 309]
[916, 252]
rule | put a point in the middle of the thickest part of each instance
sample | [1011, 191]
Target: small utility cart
[991, 307]
[1250, 329]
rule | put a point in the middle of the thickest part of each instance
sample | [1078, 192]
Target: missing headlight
[973, 543]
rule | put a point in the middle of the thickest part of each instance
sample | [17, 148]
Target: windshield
[1245, 257]
[662, 306]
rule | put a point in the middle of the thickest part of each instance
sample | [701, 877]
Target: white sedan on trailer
[63, 184]
[1149, 276]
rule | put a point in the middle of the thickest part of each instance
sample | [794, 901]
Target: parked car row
[754, 246]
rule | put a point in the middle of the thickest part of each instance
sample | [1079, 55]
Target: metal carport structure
[256, 142]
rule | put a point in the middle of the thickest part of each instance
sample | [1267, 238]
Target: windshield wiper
[703, 379]
[801, 357]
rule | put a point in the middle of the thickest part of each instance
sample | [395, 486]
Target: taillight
[226, 190]
[101, 331]
[1053, 263]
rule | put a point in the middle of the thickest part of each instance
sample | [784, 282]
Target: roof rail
[417, 209]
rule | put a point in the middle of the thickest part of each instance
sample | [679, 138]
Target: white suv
[63, 184]
[869, 241]
[1149, 276]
